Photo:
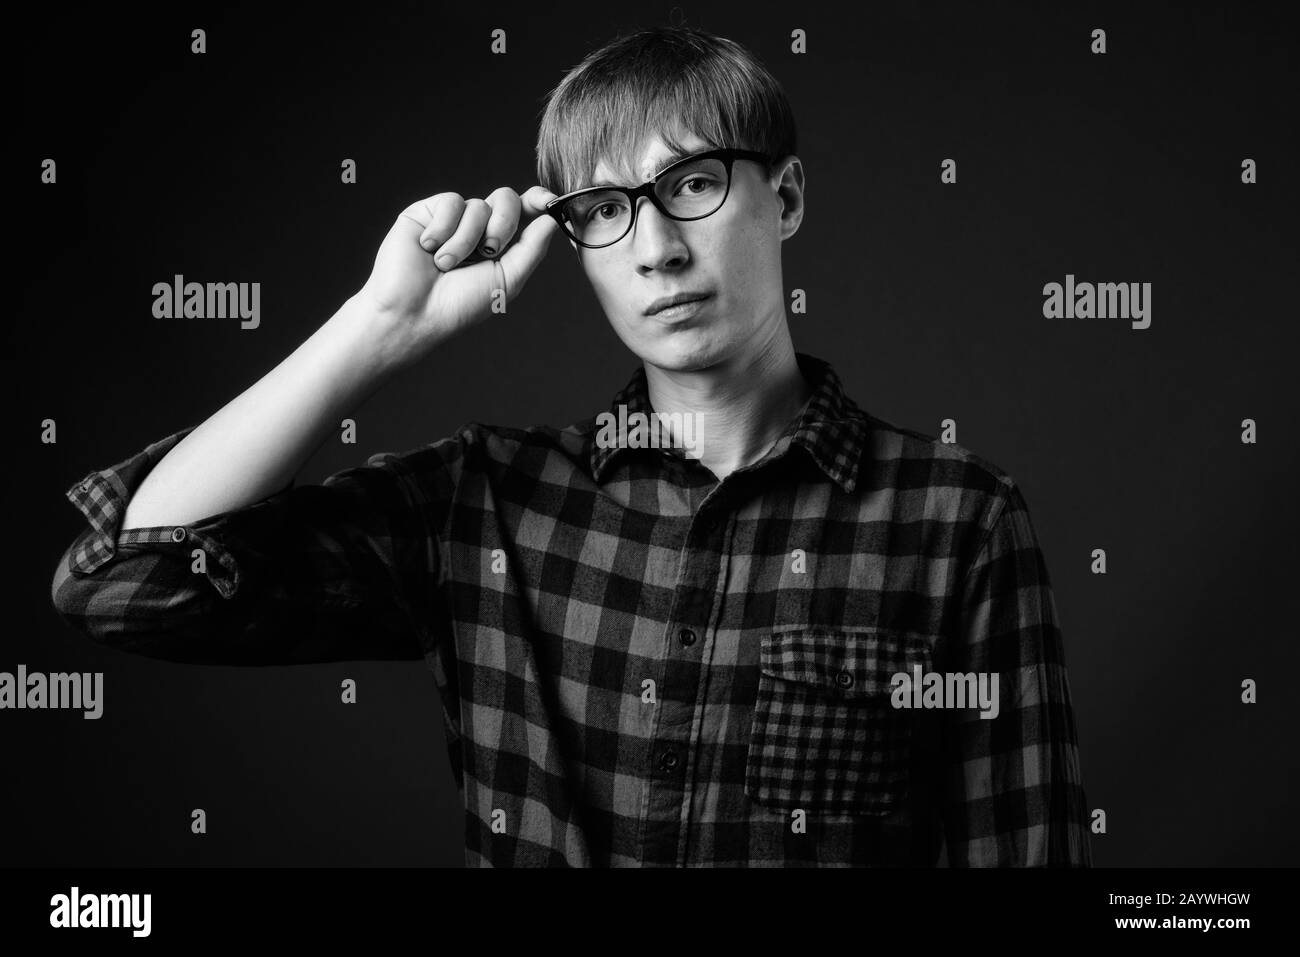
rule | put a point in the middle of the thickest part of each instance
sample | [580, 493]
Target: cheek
[748, 256]
[604, 286]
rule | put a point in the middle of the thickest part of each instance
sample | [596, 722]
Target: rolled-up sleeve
[343, 570]
[1014, 794]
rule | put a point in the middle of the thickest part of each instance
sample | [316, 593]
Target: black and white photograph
[708, 436]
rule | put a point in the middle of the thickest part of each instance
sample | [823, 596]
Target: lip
[659, 305]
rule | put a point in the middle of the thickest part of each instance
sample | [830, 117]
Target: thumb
[520, 259]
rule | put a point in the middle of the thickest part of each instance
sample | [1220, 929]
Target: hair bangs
[670, 82]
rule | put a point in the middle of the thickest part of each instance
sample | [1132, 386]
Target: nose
[656, 239]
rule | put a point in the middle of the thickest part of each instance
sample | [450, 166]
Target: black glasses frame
[647, 189]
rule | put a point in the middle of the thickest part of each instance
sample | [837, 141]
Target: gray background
[926, 298]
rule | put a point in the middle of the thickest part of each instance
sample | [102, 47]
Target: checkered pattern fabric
[638, 664]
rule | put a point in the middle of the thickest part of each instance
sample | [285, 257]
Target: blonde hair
[671, 81]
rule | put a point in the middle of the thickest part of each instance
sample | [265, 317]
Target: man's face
[733, 256]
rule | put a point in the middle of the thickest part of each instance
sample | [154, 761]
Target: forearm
[254, 444]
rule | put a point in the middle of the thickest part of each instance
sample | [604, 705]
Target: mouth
[682, 304]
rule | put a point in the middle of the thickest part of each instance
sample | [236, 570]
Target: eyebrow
[663, 163]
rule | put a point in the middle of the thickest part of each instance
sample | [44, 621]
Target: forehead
[655, 155]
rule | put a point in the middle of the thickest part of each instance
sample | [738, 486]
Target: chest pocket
[825, 736]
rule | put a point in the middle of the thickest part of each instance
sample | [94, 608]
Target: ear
[787, 180]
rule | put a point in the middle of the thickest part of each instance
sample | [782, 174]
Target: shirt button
[686, 637]
[844, 679]
[668, 760]
[178, 534]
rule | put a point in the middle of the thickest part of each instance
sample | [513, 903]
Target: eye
[704, 183]
[594, 212]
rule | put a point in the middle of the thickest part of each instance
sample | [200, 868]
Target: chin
[686, 353]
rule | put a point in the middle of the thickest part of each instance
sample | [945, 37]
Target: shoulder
[942, 478]
[481, 446]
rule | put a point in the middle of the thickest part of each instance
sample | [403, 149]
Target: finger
[535, 198]
[421, 213]
[441, 215]
[474, 216]
[534, 204]
[505, 205]
[520, 260]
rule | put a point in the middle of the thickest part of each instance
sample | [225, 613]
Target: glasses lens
[598, 217]
[694, 189]
[690, 191]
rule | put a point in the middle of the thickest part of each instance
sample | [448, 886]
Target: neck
[743, 404]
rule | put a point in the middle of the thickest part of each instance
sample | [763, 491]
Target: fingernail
[445, 261]
[488, 249]
[428, 244]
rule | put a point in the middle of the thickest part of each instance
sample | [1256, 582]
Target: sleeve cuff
[102, 497]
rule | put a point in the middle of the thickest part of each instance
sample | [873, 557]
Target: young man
[714, 655]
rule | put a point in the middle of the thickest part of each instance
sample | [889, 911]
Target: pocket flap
[852, 662]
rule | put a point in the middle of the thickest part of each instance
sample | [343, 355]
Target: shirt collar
[830, 427]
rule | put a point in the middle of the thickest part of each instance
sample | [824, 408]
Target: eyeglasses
[691, 188]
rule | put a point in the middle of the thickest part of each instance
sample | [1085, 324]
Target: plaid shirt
[638, 664]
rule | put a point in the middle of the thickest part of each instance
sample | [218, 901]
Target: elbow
[70, 594]
[136, 604]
